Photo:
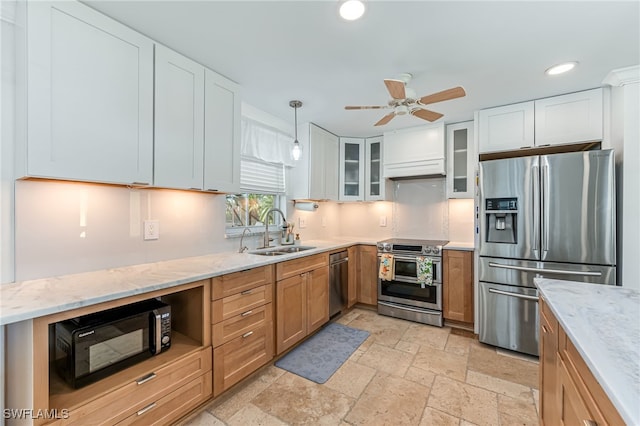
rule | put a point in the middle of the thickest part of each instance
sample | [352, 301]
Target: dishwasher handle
[339, 262]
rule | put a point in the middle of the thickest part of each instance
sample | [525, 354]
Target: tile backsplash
[66, 227]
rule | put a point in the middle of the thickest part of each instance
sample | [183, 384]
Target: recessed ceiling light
[561, 68]
[351, 10]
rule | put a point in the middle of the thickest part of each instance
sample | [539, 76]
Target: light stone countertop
[603, 322]
[35, 298]
[459, 245]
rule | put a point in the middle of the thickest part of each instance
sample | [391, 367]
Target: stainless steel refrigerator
[550, 216]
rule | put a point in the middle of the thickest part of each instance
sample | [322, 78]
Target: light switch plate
[151, 229]
[383, 221]
[302, 222]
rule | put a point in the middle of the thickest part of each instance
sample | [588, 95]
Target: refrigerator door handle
[535, 175]
[516, 295]
[548, 271]
[545, 207]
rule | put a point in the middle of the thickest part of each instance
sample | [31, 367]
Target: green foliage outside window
[249, 209]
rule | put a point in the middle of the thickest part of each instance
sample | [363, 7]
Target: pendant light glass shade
[296, 150]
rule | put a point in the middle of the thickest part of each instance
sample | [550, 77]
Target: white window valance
[265, 143]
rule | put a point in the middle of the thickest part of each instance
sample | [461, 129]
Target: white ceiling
[498, 51]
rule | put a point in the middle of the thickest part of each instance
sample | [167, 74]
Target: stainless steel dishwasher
[338, 282]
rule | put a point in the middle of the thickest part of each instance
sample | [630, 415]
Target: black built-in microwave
[91, 347]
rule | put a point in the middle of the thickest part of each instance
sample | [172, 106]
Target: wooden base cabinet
[302, 299]
[570, 394]
[242, 329]
[352, 290]
[457, 285]
[368, 274]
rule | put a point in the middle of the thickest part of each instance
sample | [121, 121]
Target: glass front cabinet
[361, 169]
[461, 160]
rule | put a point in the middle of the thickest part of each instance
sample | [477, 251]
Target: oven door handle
[398, 257]
[404, 307]
[548, 271]
[516, 295]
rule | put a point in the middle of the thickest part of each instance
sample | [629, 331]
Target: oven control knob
[436, 250]
[427, 250]
[165, 340]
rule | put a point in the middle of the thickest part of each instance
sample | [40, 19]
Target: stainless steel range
[403, 297]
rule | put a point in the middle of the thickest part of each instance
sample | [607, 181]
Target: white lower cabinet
[89, 92]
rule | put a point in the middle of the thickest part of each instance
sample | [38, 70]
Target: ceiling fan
[403, 100]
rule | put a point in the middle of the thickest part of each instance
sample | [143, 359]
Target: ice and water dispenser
[501, 220]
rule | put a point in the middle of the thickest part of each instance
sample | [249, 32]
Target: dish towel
[386, 272]
[425, 271]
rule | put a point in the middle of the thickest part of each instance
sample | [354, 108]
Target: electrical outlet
[302, 222]
[151, 229]
[383, 221]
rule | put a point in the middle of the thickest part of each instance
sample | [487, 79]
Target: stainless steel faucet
[266, 225]
[243, 248]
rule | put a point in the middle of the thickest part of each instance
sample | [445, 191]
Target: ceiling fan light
[351, 10]
[402, 110]
[560, 68]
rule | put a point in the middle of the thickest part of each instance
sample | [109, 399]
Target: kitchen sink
[278, 251]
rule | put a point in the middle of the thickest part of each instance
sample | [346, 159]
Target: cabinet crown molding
[623, 76]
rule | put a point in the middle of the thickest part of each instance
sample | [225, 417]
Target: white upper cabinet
[572, 118]
[179, 121]
[352, 165]
[461, 160]
[221, 134]
[89, 97]
[361, 169]
[416, 151]
[374, 182]
[507, 127]
[559, 120]
[315, 175]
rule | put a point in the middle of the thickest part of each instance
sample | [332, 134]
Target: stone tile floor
[404, 374]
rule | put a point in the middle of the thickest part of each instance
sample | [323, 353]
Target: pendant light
[296, 150]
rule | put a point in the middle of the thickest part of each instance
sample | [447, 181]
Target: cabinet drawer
[238, 282]
[223, 309]
[173, 405]
[120, 403]
[298, 266]
[234, 327]
[238, 358]
[595, 398]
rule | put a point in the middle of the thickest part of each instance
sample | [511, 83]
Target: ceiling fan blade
[366, 107]
[445, 95]
[425, 114]
[395, 88]
[384, 120]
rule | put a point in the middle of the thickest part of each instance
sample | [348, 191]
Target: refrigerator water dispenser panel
[502, 220]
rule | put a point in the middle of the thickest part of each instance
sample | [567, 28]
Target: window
[247, 210]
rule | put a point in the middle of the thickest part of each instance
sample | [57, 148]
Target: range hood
[414, 152]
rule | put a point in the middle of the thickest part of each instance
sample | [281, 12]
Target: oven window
[406, 268]
[409, 291]
[113, 350]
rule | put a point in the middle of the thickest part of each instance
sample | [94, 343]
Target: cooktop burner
[411, 246]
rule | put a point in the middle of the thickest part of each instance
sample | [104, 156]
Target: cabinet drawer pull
[147, 408]
[590, 423]
[244, 293]
[244, 314]
[247, 334]
[146, 378]
[140, 183]
[212, 190]
[545, 330]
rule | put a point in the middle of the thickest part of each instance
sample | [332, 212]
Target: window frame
[280, 202]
